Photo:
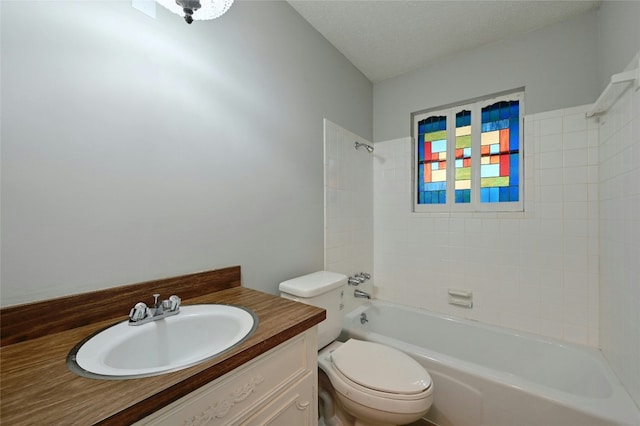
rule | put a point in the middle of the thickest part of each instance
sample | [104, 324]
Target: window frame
[450, 111]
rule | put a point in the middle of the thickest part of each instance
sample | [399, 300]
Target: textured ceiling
[386, 38]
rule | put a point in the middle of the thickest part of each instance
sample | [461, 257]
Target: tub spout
[361, 294]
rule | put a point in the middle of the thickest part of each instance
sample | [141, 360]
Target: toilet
[360, 383]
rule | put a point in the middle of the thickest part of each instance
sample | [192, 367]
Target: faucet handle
[138, 312]
[175, 302]
[355, 281]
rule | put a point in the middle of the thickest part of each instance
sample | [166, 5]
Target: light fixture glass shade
[209, 9]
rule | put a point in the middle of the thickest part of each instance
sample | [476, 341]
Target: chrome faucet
[142, 314]
[355, 280]
[359, 278]
[361, 294]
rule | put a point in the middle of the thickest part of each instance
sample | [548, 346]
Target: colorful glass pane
[432, 160]
[463, 157]
[499, 152]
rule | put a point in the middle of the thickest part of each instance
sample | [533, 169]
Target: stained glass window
[468, 157]
[500, 152]
[432, 160]
[463, 157]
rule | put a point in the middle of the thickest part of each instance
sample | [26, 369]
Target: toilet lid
[380, 368]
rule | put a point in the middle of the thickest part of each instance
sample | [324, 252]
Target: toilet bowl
[369, 384]
[376, 384]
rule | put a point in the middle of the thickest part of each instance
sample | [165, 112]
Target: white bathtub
[485, 375]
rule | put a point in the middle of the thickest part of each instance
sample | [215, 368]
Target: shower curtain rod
[615, 88]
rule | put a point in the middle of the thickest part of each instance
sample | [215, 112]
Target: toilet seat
[380, 368]
[382, 400]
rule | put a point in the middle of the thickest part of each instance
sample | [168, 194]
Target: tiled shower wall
[535, 271]
[568, 267]
[620, 238]
[348, 206]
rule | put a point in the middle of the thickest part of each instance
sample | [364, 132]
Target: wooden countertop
[37, 388]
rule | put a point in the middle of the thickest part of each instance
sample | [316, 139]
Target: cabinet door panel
[294, 407]
[238, 395]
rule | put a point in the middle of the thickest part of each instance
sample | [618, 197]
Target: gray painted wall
[618, 37]
[557, 65]
[135, 148]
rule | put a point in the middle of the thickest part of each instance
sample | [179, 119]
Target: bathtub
[486, 375]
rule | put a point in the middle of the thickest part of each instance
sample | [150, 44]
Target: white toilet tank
[322, 289]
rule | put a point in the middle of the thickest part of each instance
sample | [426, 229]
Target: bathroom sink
[196, 334]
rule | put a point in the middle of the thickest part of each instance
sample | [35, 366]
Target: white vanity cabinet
[280, 387]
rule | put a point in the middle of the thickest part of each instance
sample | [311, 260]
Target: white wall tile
[619, 240]
[349, 178]
[530, 271]
[575, 140]
[566, 268]
[551, 159]
[546, 143]
[573, 122]
[576, 157]
[551, 126]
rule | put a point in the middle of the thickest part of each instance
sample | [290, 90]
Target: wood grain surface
[29, 321]
[37, 388]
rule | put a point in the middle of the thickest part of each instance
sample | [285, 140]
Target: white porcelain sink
[196, 334]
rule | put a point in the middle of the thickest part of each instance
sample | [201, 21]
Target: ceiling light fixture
[197, 9]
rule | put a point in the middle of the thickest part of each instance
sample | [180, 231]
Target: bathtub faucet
[361, 294]
[355, 281]
[358, 279]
